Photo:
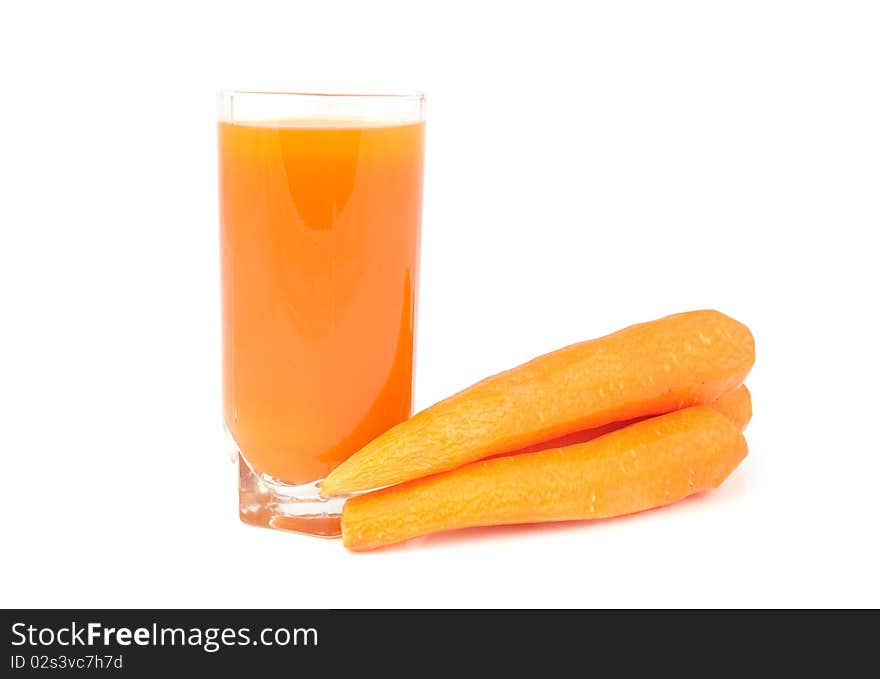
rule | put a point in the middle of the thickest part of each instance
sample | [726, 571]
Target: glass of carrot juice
[320, 218]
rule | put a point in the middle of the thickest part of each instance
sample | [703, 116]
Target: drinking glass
[320, 219]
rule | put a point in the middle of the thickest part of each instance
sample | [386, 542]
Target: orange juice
[320, 227]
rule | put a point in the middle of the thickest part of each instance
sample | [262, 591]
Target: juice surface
[320, 228]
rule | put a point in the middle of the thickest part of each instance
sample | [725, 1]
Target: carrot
[648, 464]
[736, 405]
[674, 362]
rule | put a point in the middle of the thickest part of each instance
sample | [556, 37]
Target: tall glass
[320, 218]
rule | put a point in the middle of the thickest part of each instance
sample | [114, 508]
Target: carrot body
[735, 405]
[648, 464]
[656, 367]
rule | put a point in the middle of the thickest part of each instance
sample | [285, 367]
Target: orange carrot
[648, 464]
[736, 405]
[674, 362]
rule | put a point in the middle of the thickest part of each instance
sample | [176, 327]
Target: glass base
[263, 501]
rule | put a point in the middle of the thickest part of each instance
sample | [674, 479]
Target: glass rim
[411, 95]
[262, 106]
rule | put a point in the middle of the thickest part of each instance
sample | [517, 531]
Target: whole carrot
[648, 464]
[735, 405]
[647, 369]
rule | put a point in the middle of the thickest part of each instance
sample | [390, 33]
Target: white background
[590, 165]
